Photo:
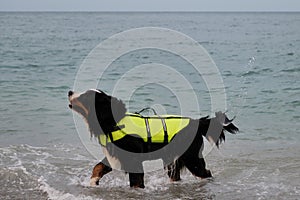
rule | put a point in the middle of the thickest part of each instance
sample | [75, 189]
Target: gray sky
[149, 5]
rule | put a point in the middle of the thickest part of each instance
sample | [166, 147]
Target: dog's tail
[213, 128]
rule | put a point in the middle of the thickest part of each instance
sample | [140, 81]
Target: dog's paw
[94, 181]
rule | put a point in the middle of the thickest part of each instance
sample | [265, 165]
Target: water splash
[236, 106]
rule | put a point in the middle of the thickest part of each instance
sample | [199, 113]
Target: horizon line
[163, 11]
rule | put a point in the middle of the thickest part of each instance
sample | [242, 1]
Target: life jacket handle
[147, 124]
[147, 108]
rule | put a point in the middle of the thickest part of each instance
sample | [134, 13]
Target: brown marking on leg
[98, 172]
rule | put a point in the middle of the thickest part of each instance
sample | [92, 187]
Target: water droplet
[251, 61]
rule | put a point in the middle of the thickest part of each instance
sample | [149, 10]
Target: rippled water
[257, 54]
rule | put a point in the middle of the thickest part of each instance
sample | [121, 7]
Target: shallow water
[42, 157]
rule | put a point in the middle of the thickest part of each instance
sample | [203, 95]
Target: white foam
[59, 195]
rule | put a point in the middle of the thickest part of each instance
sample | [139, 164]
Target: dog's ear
[109, 111]
[118, 109]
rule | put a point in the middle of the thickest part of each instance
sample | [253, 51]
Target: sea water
[257, 54]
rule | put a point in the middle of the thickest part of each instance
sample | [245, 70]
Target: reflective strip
[165, 130]
[148, 130]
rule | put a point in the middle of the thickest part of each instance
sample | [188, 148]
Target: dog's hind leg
[174, 170]
[197, 167]
[99, 171]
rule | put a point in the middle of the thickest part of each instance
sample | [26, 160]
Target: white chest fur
[113, 161]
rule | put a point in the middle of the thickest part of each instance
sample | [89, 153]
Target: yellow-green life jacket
[155, 129]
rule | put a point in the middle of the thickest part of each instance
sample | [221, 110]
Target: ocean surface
[257, 54]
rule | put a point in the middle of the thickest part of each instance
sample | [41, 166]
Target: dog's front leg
[136, 180]
[99, 171]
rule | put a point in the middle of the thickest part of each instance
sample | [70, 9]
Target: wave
[291, 70]
[258, 72]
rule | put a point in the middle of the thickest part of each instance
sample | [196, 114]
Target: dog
[128, 139]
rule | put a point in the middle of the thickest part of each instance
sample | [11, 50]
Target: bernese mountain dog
[128, 139]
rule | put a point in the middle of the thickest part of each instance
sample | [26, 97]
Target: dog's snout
[70, 93]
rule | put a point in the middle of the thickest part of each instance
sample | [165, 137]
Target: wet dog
[129, 139]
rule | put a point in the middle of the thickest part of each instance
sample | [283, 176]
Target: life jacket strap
[109, 134]
[148, 130]
[116, 128]
[166, 135]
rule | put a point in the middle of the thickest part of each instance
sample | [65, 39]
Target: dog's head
[101, 111]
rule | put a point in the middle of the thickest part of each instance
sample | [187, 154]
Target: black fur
[106, 111]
